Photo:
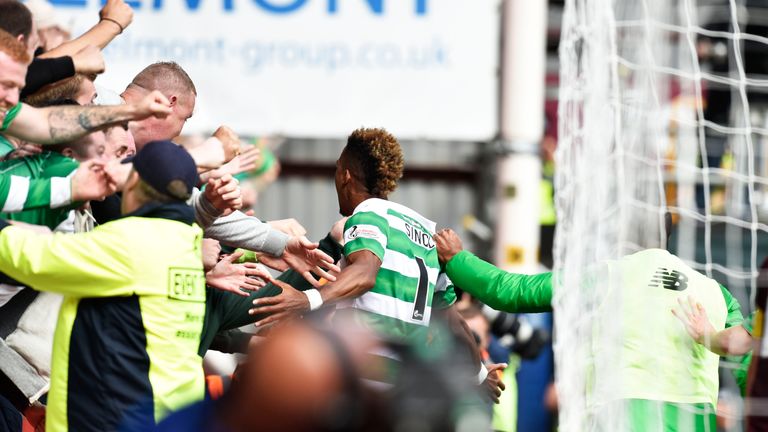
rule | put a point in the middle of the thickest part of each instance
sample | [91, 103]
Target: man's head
[173, 82]
[120, 142]
[369, 167]
[14, 60]
[90, 147]
[79, 88]
[162, 172]
[16, 19]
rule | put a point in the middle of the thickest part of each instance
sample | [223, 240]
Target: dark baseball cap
[167, 167]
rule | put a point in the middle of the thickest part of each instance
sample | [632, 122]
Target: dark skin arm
[493, 385]
[355, 279]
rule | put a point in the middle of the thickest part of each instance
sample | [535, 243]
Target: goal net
[663, 107]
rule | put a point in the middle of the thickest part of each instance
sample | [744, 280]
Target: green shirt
[685, 373]
[36, 189]
[400, 303]
[10, 115]
[5, 145]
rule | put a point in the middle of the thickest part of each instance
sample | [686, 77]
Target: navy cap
[167, 167]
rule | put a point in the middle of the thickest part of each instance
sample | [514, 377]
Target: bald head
[167, 77]
[173, 82]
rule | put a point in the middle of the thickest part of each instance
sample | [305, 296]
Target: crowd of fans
[125, 258]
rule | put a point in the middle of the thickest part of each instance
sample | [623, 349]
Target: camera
[515, 333]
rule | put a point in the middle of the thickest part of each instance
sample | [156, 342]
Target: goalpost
[662, 107]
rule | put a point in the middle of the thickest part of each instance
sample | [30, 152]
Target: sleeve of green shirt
[501, 290]
[93, 264]
[23, 193]
[735, 316]
[9, 116]
[366, 231]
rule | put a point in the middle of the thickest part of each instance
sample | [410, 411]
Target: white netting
[662, 107]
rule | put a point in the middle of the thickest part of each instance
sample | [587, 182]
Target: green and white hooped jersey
[400, 303]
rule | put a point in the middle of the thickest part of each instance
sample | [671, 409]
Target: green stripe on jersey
[361, 243]
[394, 284]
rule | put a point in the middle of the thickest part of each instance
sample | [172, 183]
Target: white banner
[319, 68]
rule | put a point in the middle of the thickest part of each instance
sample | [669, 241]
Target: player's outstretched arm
[732, 341]
[358, 277]
[501, 290]
[489, 378]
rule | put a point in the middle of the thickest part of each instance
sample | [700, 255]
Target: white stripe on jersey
[17, 194]
[401, 263]
[61, 191]
[388, 306]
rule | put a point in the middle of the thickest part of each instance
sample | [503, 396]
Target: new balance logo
[669, 279]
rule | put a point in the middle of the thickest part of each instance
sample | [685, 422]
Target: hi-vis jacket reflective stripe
[125, 348]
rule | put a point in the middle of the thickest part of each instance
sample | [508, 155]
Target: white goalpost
[662, 108]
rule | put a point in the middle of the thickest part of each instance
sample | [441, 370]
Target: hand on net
[694, 317]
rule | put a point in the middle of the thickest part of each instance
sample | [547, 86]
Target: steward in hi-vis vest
[126, 342]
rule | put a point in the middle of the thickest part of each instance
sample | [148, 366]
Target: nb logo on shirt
[669, 279]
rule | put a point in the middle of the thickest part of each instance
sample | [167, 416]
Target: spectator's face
[94, 147]
[12, 77]
[120, 143]
[155, 129]
[87, 93]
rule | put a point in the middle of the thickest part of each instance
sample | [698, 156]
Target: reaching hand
[23, 150]
[89, 61]
[290, 301]
[119, 11]
[290, 226]
[234, 278]
[244, 162]
[118, 173]
[304, 256]
[694, 318]
[448, 244]
[224, 194]
[493, 385]
[90, 182]
[337, 230]
[153, 104]
[229, 140]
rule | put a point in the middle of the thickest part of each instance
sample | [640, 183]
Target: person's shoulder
[393, 210]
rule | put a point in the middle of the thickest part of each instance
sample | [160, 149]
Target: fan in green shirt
[52, 170]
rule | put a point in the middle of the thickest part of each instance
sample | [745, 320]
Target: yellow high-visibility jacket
[128, 332]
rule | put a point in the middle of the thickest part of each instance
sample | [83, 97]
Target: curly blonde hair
[377, 160]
